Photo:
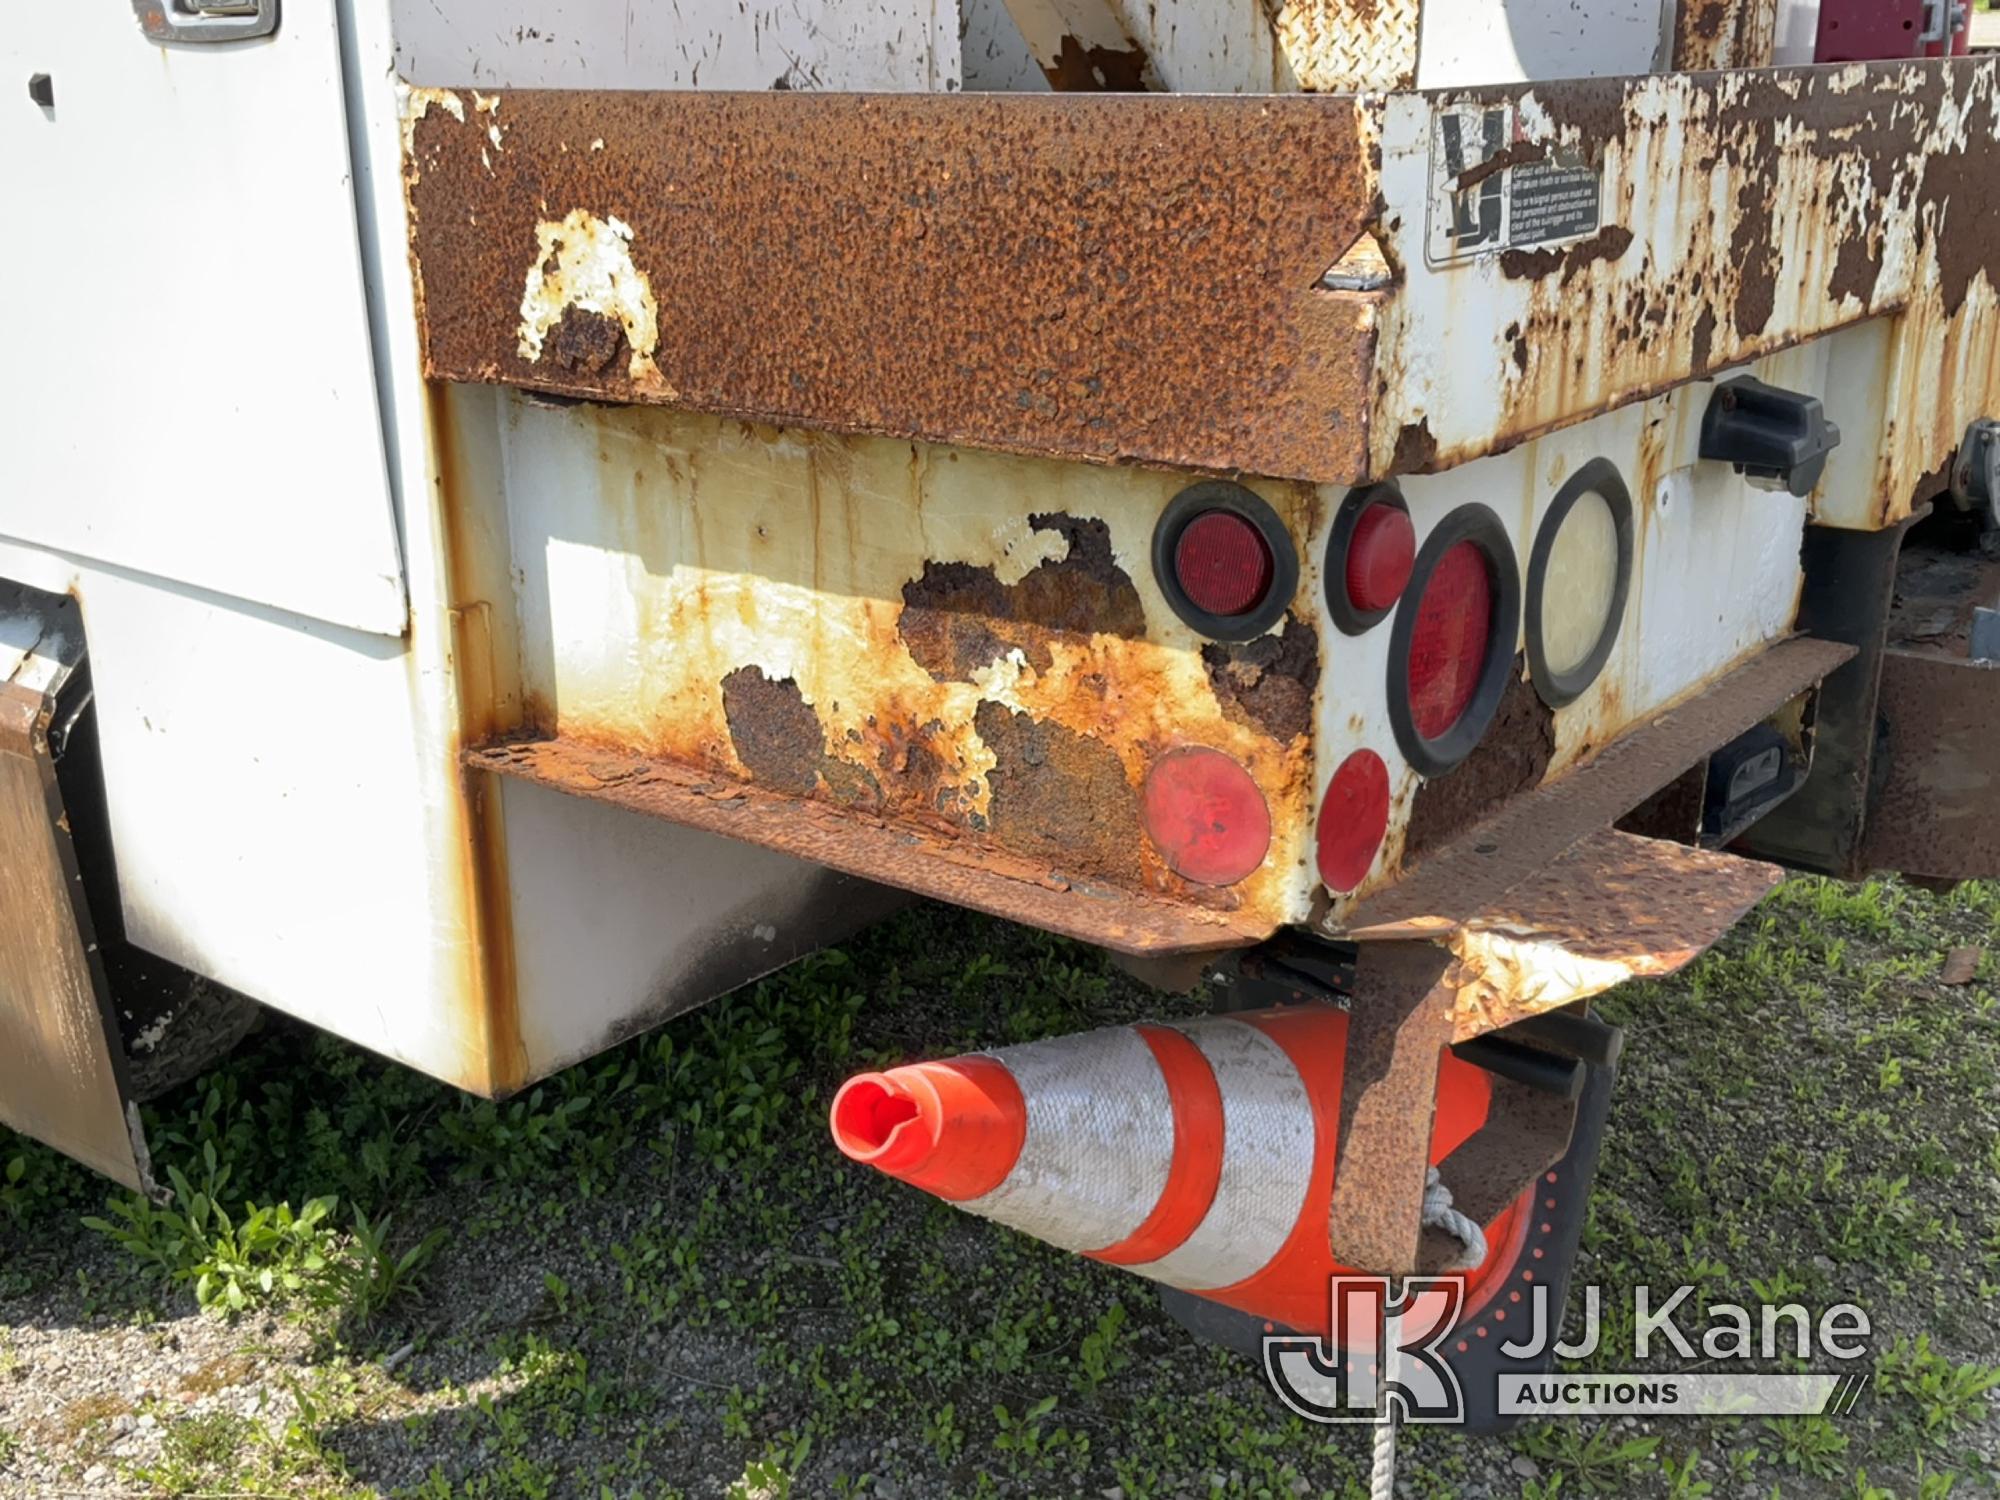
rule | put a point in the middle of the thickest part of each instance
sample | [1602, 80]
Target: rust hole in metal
[1513, 757]
[585, 342]
[1416, 448]
[1267, 684]
[958, 618]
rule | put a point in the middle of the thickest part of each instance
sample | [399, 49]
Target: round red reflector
[1448, 644]
[1205, 816]
[1353, 820]
[1222, 563]
[1379, 556]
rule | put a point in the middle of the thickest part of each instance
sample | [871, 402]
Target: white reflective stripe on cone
[1267, 1154]
[1099, 1143]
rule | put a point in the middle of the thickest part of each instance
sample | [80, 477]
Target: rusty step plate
[1479, 871]
[956, 869]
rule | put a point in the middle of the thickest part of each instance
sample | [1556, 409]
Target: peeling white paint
[593, 271]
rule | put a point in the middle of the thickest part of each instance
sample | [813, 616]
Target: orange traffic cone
[1199, 1154]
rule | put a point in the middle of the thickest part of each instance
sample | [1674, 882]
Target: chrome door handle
[178, 23]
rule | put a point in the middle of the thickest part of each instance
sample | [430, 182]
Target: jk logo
[1384, 1354]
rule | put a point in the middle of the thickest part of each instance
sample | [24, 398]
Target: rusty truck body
[1423, 506]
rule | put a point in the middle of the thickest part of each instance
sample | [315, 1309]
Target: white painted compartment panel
[891, 45]
[189, 391]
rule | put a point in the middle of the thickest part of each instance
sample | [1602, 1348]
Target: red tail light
[1225, 561]
[1222, 564]
[1450, 640]
[1451, 650]
[1379, 557]
[1206, 816]
[1353, 820]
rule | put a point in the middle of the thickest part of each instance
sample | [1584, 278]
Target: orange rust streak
[500, 1062]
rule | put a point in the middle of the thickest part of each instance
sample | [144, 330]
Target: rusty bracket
[1614, 907]
[1400, 1023]
[1526, 1132]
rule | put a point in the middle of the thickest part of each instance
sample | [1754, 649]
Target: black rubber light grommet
[1352, 621]
[1220, 495]
[1480, 526]
[1599, 477]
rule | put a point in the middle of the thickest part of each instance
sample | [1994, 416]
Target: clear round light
[1581, 581]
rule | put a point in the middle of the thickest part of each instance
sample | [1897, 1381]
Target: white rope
[1439, 1214]
[1382, 1476]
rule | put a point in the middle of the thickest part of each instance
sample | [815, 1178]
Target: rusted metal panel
[1741, 213]
[1935, 810]
[1613, 908]
[1132, 278]
[1084, 46]
[1056, 275]
[61, 1067]
[972, 644]
[964, 871]
[1222, 46]
[1482, 867]
[1712, 34]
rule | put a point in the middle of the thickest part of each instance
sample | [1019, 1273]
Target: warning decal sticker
[1492, 190]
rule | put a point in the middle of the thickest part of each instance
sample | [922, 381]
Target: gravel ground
[652, 1276]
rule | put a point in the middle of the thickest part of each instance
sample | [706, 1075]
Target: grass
[652, 1275]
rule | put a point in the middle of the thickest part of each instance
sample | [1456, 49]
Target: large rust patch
[1267, 684]
[958, 618]
[776, 734]
[1060, 795]
[1513, 756]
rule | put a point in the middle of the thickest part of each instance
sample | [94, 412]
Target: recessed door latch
[180, 23]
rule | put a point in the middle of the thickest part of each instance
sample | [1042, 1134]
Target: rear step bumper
[1514, 851]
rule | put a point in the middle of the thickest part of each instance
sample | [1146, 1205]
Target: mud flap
[63, 1076]
[1544, 1255]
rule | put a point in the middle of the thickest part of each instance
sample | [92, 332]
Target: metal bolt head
[42, 89]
